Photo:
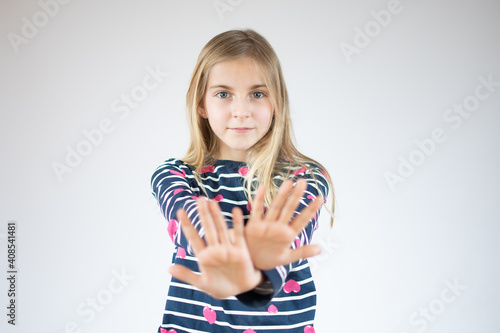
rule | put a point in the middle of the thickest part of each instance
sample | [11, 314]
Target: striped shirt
[290, 303]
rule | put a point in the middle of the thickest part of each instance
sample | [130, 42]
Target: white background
[390, 253]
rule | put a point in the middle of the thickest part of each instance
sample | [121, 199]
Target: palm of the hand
[221, 265]
[269, 243]
[270, 236]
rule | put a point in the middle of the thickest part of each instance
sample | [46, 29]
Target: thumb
[185, 274]
[304, 252]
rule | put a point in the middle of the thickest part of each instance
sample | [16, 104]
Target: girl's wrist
[263, 277]
[265, 286]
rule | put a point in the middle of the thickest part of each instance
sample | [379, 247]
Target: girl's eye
[258, 94]
[223, 94]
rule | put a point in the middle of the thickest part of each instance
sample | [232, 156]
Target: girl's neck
[235, 157]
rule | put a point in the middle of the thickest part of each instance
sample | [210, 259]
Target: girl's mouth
[241, 129]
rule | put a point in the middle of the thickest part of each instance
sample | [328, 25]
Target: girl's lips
[241, 129]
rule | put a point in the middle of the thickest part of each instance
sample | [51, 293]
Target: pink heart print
[178, 190]
[309, 329]
[208, 169]
[297, 242]
[272, 309]
[291, 286]
[181, 253]
[163, 330]
[209, 315]
[173, 225]
[249, 330]
[218, 198]
[301, 170]
[177, 173]
[243, 171]
[249, 207]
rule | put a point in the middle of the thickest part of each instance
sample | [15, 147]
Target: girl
[239, 263]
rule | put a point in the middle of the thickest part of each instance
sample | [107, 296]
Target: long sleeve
[285, 303]
[174, 187]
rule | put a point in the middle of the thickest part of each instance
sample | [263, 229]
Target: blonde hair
[275, 153]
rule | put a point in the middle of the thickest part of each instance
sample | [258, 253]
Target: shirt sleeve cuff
[264, 292]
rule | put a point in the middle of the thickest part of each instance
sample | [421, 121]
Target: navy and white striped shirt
[292, 304]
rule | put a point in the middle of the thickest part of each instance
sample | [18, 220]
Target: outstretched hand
[225, 265]
[269, 236]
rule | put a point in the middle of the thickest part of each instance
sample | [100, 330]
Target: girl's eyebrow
[255, 86]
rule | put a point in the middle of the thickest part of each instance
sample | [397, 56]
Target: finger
[293, 201]
[257, 204]
[190, 232]
[238, 226]
[275, 210]
[304, 252]
[231, 235]
[305, 216]
[185, 274]
[207, 222]
[219, 221]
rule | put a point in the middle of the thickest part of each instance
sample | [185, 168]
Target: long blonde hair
[275, 152]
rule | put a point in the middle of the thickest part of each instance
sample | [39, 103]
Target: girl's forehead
[237, 72]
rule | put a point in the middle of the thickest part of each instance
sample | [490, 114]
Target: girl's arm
[224, 260]
[284, 233]
[171, 187]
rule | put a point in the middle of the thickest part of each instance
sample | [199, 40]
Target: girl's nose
[241, 109]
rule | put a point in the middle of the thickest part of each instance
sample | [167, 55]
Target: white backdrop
[398, 99]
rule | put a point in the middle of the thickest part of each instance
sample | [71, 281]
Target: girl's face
[237, 106]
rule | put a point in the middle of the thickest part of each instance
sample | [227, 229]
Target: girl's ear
[202, 112]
